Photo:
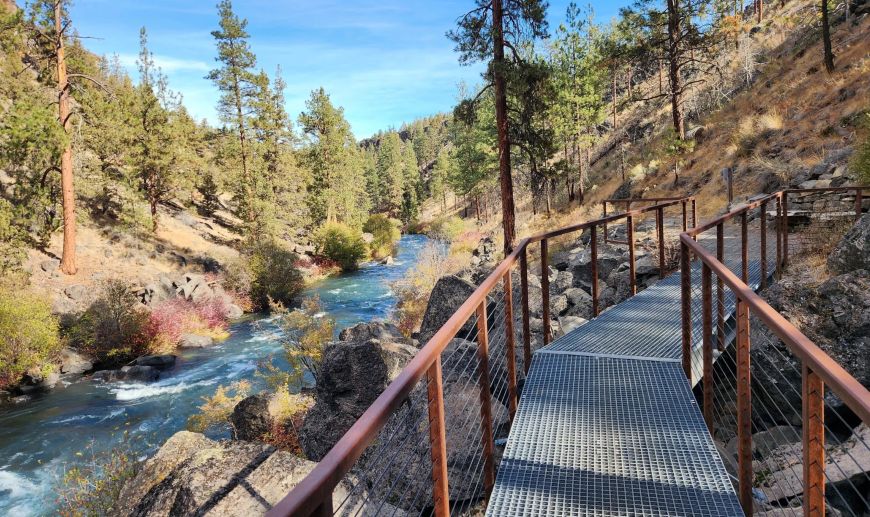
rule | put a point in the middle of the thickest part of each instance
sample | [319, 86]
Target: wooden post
[813, 442]
[744, 248]
[593, 242]
[720, 289]
[764, 244]
[485, 399]
[744, 410]
[707, 317]
[437, 440]
[545, 290]
[509, 344]
[660, 233]
[686, 289]
[524, 290]
[632, 267]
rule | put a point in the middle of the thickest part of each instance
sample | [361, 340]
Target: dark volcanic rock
[853, 251]
[449, 293]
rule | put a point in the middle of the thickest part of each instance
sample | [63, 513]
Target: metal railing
[390, 423]
[679, 220]
[777, 384]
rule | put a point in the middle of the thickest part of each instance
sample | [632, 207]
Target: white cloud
[167, 63]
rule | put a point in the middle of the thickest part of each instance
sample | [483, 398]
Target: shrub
[446, 228]
[266, 273]
[308, 329]
[172, 318]
[385, 234]
[412, 292]
[215, 411]
[12, 247]
[115, 328]
[341, 243]
[28, 335]
[93, 486]
[289, 410]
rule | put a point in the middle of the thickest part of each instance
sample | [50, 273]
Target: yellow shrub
[28, 335]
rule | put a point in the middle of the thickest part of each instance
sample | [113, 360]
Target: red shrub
[171, 318]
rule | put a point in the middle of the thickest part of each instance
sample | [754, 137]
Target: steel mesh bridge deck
[607, 423]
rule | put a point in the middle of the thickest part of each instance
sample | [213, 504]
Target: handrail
[818, 368]
[312, 496]
[835, 376]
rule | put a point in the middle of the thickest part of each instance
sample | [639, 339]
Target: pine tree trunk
[615, 127]
[661, 78]
[501, 117]
[674, 56]
[826, 38]
[68, 256]
[760, 10]
[246, 178]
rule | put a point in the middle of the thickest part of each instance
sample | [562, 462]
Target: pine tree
[237, 83]
[391, 174]
[335, 192]
[442, 171]
[156, 142]
[480, 36]
[410, 184]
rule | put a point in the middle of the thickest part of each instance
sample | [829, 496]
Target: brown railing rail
[687, 203]
[818, 368]
[313, 495]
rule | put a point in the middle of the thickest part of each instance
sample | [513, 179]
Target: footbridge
[685, 392]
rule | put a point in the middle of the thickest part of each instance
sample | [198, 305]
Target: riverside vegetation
[216, 221]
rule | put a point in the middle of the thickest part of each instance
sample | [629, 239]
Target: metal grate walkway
[607, 423]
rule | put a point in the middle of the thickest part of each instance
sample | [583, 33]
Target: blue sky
[384, 61]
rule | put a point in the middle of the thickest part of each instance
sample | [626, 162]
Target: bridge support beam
[813, 443]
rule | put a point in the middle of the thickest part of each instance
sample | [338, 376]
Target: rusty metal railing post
[707, 350]
[686, 297]
[744, 248]
[763, 244]
[593, 242]
[437, 440]
[720, 290]
[859, 202]
[660, 234]
[694, 218]
[685, 216]
[545, 290]
[605, 224]
[813, 403]
[485, 399]
[632, 267]
[744, 409]
[524, 292]
[785, 229]
[509, 344]
[325, 508]
[778, 236]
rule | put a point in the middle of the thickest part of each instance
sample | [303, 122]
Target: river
[57, 430]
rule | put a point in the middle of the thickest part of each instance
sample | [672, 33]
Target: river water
[57, 430]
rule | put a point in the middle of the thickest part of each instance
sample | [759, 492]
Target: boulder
[352, 375]
[161, 362]
[251, 418]
[564, 281]
[853, 250]
[449, 293]
[140, 373]
[380, 330]
[195, 341]
[76, 292]
[63, 306]
[73, 362]
[846, 467]
[192, 475]
[234, 312]
[569, 323]
[558, 304]
[49, 265]
[128, 373]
